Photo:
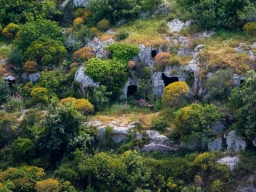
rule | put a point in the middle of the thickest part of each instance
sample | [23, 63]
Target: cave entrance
[169, 80]
[153, 53]
[241, 81]
[131, 90]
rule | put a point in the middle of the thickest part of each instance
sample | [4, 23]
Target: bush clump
[10, 30]
[103, 25]
[174, 93]
[39, 94]
[250, 28]
[122, 35]
[161, 60]
[30, 66]
[78, 22]
[83, 54]
[47, 185]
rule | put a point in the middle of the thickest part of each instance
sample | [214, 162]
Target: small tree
[174, 93]
[4, 91]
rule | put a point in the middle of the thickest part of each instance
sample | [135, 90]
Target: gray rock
[156, 137]
[164, 8]
[254, 142]
[175, 25]
[198, 47]
[121, 21]
[192, 145]
[80, 3]
[98, 46]
[253, 46]
[215, 145]
[110, 31]
[34, 77]
[157, 147]
[235, 142]
[10, 78]
[230, 161]
[84, 80]
[139, 136]
[2, 61]
[24, 76]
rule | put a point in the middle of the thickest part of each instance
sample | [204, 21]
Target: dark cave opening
[153, 53]
[131, 90]
[169, 80]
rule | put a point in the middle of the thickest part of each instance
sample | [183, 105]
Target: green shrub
[84, 106]
[30, 66]
[39, 94]
[174, 93]
[250, 28]
[15, 57]
[4, 91]
[47, 185]
[122, 35]
[196, 120]
[159, 124]
[103, 25]
[15, 103]
[10, 30]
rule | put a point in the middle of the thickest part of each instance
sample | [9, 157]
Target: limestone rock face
[80, 3]
[84, 80]
[218, 126]
[230, 161]
[177, 25]
[235, 142]
[34, 77]
[215, 145]
[158, 143]
[98, 46]
[119, 133]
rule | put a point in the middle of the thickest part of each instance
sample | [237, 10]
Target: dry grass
[221, 55]
[148, 32]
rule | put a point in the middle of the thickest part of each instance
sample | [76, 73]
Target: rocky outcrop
[158, 142]
[230, 161]
[98, 46]
[235, 142]
[84, 80]
[163, 9]
[215, 145]
[34, 77]
[76, 3]
[177, 25]
[120, 130]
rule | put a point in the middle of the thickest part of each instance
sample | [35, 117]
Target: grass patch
[4, 50]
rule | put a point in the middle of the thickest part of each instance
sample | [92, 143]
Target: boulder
[34, 77]
[230, 161]
[218, 126]
[235, 142]
[98, 46]
[175, 25]
[84, 80]
[215, 145]
[156, 137]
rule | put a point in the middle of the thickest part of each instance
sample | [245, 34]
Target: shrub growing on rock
[161, 60]
[174, 93]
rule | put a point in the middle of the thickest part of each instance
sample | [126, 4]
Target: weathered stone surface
[2, 61]
[198, 47]
[131, 81]
[80, 3]
[237, 79]
[84, 80]
[145, 55]
[34, 77]
[10, 78]
[235, 142]
[192, 145]
[175, 25]
[156, 137]
[98, 46]
[164, 8]
[230, 161]
[215, 145]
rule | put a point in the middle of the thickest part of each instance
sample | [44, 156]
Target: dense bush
[220, 84]
[250, 28]
[83, 54]
[110, 73]
[30, 66]
[122, 35]
[16, 58]
[174, 93]
[39, 94]
[4, 91]
[245, 107]
[215, 14]
[103, 25]
[78, 22]
[10, 30]
[47, 185]
[195, 120]
[84, 106]
[46, 52]
[32, 31]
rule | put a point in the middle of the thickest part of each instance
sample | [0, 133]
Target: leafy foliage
[46, 52]
[195, 119]
[245, 121]
[83, 54]
[10, 30]
[4, 91]
[39, 94]
[174, 93]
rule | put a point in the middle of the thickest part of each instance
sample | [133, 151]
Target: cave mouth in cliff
[241, 81]
[131, 90]
[153, 53]
[169, 80]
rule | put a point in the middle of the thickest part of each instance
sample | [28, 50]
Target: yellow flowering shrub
[10, 30]
[39, 94]
[174, 92]
[48, 185]
[78, 22]
[84, 106]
